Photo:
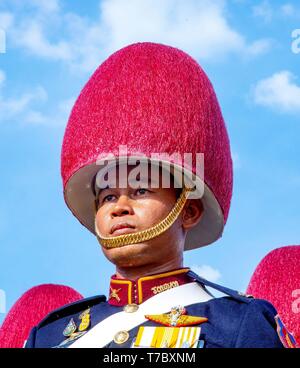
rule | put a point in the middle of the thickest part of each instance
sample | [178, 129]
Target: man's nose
[122, 207]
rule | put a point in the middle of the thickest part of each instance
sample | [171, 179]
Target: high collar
[125, 291]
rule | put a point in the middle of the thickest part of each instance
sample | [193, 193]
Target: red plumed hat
[277, 279]
[151, 98]
[30, 309]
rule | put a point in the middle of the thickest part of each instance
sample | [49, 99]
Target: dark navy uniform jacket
[234, 321]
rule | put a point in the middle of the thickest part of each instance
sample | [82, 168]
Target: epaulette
[72, 308]
[237, 295]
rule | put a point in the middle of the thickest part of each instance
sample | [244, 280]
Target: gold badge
[84, 313]
[177, 317]
[114, 294]
[85, 322]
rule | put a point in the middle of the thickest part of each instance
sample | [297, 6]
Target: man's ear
[191, 213]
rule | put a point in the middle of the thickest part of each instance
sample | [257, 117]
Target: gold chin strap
[144, 235]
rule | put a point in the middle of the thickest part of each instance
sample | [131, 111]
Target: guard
[146, 167]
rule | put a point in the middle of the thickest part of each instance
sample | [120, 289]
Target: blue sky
[53, 46]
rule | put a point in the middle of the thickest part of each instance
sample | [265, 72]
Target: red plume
[30, 309]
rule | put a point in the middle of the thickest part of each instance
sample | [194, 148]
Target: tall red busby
[30, 309]
[151, 98]
[277, 279]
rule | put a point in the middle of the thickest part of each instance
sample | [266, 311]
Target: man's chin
[128, 254]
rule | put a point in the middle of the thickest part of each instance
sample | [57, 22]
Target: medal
[70, 329]
[85, 322]
[177, 317]
[167, 337]
[84, 313]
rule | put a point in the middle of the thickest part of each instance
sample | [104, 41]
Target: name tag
[167, 337]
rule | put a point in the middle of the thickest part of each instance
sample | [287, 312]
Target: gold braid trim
[152, 232]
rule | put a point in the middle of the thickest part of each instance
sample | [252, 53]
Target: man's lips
[122, 228]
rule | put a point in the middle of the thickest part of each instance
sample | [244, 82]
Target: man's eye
[142, 191]
[108, 198]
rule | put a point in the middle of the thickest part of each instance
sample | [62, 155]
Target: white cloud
[60, 117]
[11, 107]
[24, 107]
[263, 10]
[207, 272]
[288, 9]
[268, 11]
[199, 27]
[261, 46]
[279, 92]
[31, 37]
[45, 6]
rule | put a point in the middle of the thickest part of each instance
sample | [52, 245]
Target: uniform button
[121, 337]
[130, 308]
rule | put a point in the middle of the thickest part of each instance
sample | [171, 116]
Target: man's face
[128, 210]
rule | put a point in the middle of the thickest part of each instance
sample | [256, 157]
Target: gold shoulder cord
[144, 235]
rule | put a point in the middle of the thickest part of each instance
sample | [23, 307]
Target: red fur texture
[277, 279]
[152, 98]
[30, 309]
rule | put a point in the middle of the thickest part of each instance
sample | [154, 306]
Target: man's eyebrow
[100, 190]
[141, 181]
